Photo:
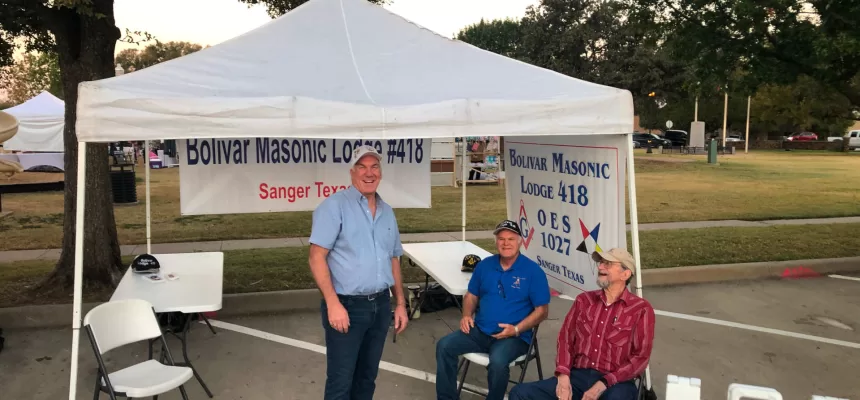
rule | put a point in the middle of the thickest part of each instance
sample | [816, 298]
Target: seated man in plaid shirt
[605, 341]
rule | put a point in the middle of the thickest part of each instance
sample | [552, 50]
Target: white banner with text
[229, 176]
[567, 194]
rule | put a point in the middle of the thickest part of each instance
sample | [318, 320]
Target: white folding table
[443, 262]
[197, 289]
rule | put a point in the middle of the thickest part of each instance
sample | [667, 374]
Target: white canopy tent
[341, 69]
[41, 121]
[345, 69]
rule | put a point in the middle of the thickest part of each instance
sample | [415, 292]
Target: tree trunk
[85, 46]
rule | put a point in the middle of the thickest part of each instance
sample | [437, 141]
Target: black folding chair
[643, 393]
[640, 384]
[483, 359]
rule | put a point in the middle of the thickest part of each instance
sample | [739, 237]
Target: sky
[209, 22]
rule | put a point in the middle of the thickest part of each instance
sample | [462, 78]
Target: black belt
[369, 297]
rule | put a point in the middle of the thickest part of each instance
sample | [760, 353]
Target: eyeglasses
[502, 289]
[609, 263]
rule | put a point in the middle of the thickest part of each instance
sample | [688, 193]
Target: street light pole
[696, 113]
[725, 115]
[747, 139]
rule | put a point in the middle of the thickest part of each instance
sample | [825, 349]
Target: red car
[803, 136]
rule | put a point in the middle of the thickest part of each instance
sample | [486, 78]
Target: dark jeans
[352, 358]
[580, 381]
[502, 353]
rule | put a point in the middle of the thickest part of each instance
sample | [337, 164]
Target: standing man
[355, 258]
[513, 295]
[605, 341]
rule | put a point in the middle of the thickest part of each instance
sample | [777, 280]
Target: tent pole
[148, 205]
[79, 265]
[634, 229]
[454, 167]
[463, 164]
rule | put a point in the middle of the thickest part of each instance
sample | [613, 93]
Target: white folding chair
[118, 323]
[683, 388]
[738, 391]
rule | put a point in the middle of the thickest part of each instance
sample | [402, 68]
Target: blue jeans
[502, 353]
[580, 381]
[352, 358]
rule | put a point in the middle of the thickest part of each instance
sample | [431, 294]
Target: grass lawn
[286, 268]
[757, 186]
[761, 185]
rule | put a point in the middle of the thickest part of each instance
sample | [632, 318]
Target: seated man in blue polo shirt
[511, 294]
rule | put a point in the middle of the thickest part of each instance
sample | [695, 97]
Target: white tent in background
[41, 121]
[340, 69]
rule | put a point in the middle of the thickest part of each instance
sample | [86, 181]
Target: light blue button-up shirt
[360, 245]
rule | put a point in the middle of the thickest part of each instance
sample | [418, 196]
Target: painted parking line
[758, 329]
[384, 365]
[850, 278]
[754, 328]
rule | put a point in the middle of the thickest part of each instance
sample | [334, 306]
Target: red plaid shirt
[614, 339]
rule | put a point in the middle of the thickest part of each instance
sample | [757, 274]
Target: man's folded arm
[643, 342]
[535, 317]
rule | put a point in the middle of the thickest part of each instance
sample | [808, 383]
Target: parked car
[717, 134]
[853, 138]
[734, 138]
[803, 137]
[677, 137]
[650, 139]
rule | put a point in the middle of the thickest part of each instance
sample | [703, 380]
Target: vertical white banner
[567, 194]
[227, 176]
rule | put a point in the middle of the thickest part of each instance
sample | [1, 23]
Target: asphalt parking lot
[798, 336]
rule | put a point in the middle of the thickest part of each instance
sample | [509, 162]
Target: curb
[303, 300]
[748, 271]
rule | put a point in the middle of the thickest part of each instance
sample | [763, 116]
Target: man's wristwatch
[517, 329]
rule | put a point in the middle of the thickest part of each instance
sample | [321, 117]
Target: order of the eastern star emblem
[525, 227]
[589, 239]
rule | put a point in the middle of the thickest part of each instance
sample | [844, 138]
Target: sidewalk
[225, 245]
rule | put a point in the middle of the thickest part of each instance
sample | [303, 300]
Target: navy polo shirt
[507, 297]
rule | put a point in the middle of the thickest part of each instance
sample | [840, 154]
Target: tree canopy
[610, 43]
[773, 41]
[667, 52]
[277, 8]
[30, 75]
[158, 52]
[499, 36]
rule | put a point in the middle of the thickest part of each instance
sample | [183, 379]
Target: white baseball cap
[362, 151]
